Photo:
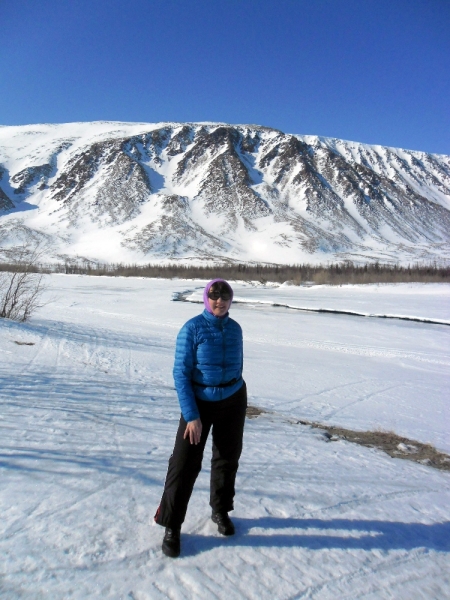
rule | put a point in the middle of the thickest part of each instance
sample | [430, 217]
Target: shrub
[21, 286]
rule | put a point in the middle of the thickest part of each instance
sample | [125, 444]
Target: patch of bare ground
[387, 441]
[253, 412]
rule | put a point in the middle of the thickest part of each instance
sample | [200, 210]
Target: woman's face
[219, 307]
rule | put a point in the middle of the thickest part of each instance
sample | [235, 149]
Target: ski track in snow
[87, 421]
[361, 350]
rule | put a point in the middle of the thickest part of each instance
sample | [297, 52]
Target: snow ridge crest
[195, 191]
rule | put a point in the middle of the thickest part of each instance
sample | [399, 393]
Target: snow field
[88, 417]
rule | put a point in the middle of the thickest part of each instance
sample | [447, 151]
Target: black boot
[171, 543]
[223, 522]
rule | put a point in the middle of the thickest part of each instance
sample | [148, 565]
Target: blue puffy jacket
[208, 351]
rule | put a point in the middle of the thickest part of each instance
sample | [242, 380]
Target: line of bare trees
[334, 274]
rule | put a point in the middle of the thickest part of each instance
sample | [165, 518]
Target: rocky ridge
[220, 192]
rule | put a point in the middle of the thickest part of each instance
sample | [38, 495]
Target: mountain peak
[154, 192]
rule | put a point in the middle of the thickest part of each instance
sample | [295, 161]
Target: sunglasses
[216, 295]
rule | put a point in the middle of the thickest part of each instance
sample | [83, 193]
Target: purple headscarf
[208, 287]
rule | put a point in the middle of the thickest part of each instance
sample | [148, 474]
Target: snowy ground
[88, 416]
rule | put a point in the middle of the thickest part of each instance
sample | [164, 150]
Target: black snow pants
[226, 417]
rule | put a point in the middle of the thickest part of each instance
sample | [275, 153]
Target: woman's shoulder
[193, 323]
[234, 324]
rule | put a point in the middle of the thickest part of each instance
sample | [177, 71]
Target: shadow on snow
[317, 534]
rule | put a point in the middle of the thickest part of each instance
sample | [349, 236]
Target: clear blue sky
[374, 71]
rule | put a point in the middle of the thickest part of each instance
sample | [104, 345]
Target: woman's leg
[228, 428]
[184, 466]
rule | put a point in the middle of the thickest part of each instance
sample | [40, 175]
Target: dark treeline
[334, 274]
[20, 267]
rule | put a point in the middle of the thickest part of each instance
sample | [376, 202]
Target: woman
[212, 394]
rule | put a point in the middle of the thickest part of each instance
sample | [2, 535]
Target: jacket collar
[216, 321]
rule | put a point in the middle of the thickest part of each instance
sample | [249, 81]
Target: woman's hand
[193, 431]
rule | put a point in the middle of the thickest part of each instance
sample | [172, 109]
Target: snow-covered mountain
[139, 192]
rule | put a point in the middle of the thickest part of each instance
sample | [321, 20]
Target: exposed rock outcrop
[215, 190]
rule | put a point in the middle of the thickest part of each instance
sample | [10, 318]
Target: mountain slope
[157, 192]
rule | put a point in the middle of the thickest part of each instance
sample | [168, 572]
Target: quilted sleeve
[182, 371]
